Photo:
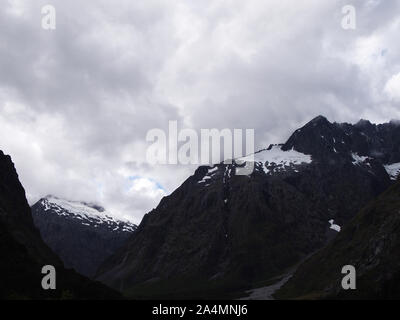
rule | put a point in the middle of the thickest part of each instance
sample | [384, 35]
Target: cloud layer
[76, 103]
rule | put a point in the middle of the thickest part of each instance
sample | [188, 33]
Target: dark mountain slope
[15, 211]
[322, 138]
[224, 232]
[81, 234]
[371, 243]
[23, 253]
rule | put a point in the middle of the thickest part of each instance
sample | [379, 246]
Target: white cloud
[392, 87]
[76, 103]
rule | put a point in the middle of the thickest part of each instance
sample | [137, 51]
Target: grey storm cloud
[76, 103]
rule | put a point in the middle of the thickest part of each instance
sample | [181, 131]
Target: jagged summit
[323, 139]
[318, 137]
[364, 123]
[319, 119]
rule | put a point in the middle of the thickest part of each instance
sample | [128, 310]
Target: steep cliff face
[23, 253]
[83, 235]
[15, 213]
[219, 231]
[370, 243]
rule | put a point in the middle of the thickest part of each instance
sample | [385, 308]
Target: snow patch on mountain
[358, 160]
[275, 159]
[334, 226]
[207, 177]
[88, 214]
[393, 170]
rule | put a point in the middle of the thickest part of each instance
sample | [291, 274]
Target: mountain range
[220, 233]
[325, 198]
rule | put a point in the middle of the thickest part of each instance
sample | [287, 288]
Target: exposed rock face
[222, 231]
[23, 253]
[371, 243]
[81, 234]
[321, 138]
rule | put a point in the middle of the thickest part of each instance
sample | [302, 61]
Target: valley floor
[266, 293]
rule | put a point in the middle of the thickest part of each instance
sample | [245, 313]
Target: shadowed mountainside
[220, 232]
[23, 253]
[370, 242]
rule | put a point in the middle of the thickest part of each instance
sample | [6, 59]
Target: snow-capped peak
[89, 214]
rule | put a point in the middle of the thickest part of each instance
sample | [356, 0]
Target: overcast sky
[76, 102]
